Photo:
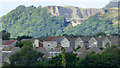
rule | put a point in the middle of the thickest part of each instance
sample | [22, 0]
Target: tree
[19, 44]
[100, 34]
[63, 58]
[23, 37]
[26, 56]
[5, 35]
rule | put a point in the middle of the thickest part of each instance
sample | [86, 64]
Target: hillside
[32, 21]
[75, 15]
[102, 22]
[37, 21]
[113, 4]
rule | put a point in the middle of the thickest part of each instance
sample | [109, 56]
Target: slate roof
[41, 49]
[71, 39]
[68, 49]
[113, 38]
[85, 39]
[100, 39]
[95, 49]
[14, 49]
[82, 49]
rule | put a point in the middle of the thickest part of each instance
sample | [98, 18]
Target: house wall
[65, 43]
[93, 43]
[78, 42]
[49, 44]
[36, 43]
[105, 41]
[72, 44]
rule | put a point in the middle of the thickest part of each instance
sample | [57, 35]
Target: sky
[8, 5]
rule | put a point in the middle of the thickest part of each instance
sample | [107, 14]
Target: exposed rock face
[74, 14]
[113, 4]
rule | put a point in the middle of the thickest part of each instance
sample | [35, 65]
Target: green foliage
[41, 38]
[32, 21]
[95, 24]
[77, 48]
[19, 44]
[5, 35]
[55, 61]
[19, 38]
[101, 48]
[36, 22]
[26, 56]
[99, 34]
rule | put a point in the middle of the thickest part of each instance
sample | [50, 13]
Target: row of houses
[53, 46]
[7, 48]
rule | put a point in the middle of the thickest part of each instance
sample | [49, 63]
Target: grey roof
[85, 39]
[15, 49]
[113, 38]
[82, 49]
[71, 39]
[100, 39]
[68, 49]
[95, 49]
[41, 49]
[55, 50]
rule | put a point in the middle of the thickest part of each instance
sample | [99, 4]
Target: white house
[37, 43]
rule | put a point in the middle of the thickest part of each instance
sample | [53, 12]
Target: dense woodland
[37, 21]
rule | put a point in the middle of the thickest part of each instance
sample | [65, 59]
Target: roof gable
[92, 39]
[79, 38]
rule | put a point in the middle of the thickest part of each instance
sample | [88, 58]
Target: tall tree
[63, 59]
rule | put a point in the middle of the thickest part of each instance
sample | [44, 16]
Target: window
[48, 45]
[51, 48]
[95, 42]
[80, 42]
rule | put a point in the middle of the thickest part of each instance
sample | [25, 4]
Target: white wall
[65, 43]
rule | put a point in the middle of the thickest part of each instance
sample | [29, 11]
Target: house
[7, 52]
[56, 51]
[79, 42]
[113, 40]
[8, 43]
[69, 49]
[43, 51]
[96, 41]
[68, 42]
[52, 42]
[99, 40]
[37, 43]
[93, 42]
[85, 41]
[80, 51]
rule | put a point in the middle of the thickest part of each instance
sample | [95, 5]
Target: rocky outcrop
[74, 14]
[113, 4]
